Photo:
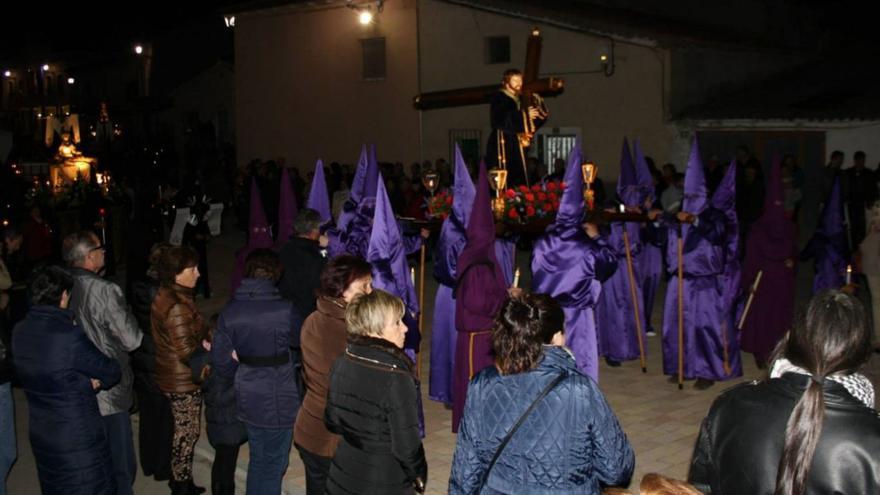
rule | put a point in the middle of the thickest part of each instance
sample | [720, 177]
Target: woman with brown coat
[323, 339]
[177, 329]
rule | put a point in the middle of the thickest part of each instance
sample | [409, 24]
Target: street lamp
[45, 67]
[7, 73]
[139, 49]
[70, 80]
[365, 17]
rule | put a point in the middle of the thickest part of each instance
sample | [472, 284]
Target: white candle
[516, 278]
[412, 275]
[848, 274]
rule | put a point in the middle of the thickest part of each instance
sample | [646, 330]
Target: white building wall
[630, 103]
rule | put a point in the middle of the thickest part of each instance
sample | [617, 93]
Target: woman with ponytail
[811, 427]
[534, 423]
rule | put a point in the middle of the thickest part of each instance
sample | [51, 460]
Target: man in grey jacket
[101, 311]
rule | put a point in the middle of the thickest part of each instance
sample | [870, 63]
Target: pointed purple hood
[385, 252]
[481, 288]
[724, 198]
[286, 209]
[371, 179]
[259, 234]
[627, 184]
[319, 199]
[695, 194]
[463, 190]
[571, 206]
[643, 174]
[360, 175]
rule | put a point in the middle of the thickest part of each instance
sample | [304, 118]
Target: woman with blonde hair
[373, 404]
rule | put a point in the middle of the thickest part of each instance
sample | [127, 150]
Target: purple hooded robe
[480, 292]
[772, 241]
[319, 199]
[650, 260]
[570, 267]
[449, 246]
[259, 236]
[707, 331]
[828, 247]
[352, 232]
[615, 312]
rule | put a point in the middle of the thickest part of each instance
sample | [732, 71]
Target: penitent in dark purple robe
[259, 236]
[571, 267]
[480, 292]
[708, 334]
[772, 242]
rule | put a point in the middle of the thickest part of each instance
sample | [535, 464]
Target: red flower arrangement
[525, 204]
[440, 205]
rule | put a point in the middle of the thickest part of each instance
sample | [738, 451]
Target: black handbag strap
[519, 422]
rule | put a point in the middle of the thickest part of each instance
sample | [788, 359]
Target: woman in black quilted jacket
[372, 403]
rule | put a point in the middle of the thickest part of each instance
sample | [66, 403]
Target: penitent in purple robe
[828, 247]
[319, 197]
[449, 245]
[570, 267]
[352, 232]
[708, 335]
[480, 292]
[724, 200]
[772, 242]
[650, 259]
[615, 312]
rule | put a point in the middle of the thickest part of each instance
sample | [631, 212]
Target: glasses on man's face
[99, 247]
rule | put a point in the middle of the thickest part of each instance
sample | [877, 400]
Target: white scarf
[857, 384]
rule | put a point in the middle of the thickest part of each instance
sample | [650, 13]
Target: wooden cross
[479, 95]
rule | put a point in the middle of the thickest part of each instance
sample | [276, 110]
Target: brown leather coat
[177, 329]
[323, 340]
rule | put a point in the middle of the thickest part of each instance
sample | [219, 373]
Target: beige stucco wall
[299, 91]
[630, 103]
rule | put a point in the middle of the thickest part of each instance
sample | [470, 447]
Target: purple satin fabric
[615, 312]
[319, 198]
[505, 251]
[443, 338]
[570, 268]
[709, 333]
[650, 273]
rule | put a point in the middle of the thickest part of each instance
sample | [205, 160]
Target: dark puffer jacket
[741, 440]
[143, 359]
[54, 361]
[221, 417]
[372, 402]
[571, 442]
[260, 327]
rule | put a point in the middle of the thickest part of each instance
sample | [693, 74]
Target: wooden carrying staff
[680, 314]
[635, 302]
[421, 307]
[754, 289]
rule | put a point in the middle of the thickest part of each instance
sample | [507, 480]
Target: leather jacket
[741, 440]
[177, 332]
